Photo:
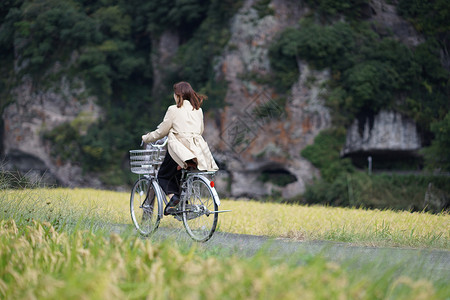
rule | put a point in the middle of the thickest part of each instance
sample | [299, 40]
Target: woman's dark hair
[184, 91]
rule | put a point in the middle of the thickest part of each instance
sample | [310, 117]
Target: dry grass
[373, 227]
[370, 227]
[39, 262]
[57, 258]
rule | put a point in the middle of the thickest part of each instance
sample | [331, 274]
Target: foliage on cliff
[432, 18]
[438, 155]
[370, 72]
[109, 44]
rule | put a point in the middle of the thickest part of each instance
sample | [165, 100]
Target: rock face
[166, 46]
[386, 21]
[36, 111]
[258, 133]
[249, 145]
[388, 131]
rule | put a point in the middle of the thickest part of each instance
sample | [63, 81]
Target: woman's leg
[169, 177]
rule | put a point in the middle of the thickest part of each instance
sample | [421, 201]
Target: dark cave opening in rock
[383, 160]
[24, 169]
[278, 176]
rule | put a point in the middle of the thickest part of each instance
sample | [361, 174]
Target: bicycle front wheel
[144, 206]
[200, 210]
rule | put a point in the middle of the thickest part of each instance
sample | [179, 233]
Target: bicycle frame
[186, 179]
[186, 175]
[201, 175]
[159, 192]
[196, 192]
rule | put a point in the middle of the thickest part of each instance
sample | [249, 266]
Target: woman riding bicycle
[183, 124]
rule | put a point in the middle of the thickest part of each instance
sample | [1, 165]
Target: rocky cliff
[36, 110]
[258, 135]
[387, 131]
[256, 138]
[252, 147]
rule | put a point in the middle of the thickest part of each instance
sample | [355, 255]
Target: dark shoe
[171, 206]
[170, 210]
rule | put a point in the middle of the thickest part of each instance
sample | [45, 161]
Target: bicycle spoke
[144, 207]
[199, 222]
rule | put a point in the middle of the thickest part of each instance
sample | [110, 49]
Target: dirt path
[433, 264]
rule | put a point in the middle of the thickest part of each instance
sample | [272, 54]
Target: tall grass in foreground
[98, 209]
[36, 261]
[28, 205]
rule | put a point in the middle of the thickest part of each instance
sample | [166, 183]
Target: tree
[437, 156]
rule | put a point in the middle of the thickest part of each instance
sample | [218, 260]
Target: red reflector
[211, 183]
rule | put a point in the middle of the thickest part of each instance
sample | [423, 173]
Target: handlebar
[156, 145]
[161, 145]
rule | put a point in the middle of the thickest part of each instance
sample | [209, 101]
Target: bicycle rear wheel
[200, 210]
[145, 207]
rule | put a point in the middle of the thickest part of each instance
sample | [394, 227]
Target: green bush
[427, 100]
[283, 60]
[48, 28]
[352, 9]
[341, 185]
[369, 72]
[324, 154]
[263, 8]
[65, 142]
[399, 192]
[437, 155]
[429, 17]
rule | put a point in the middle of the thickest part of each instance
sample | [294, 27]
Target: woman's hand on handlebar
[159, 143]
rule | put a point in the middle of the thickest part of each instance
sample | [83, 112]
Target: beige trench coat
[184, 127]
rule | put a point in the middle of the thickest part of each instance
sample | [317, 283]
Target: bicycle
[199, 201]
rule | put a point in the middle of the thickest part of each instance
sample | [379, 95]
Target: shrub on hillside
[399, 192]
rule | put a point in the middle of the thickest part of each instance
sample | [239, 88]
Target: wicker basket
[146, 161]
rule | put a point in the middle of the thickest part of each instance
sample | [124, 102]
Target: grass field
[38, 262]
[57, 243]
[359, 226]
